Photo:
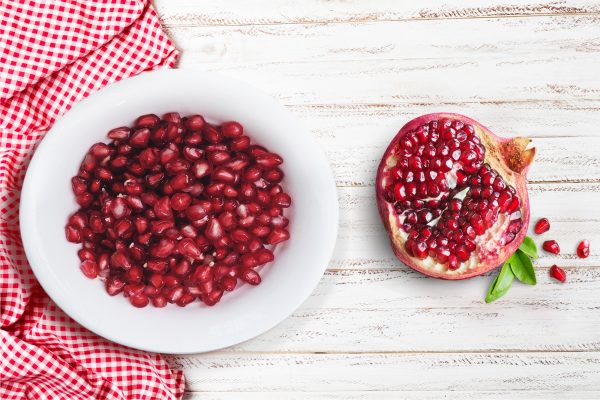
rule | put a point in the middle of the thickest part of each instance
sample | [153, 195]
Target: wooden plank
[363, 244]
[533, 62]
[399, 310]
[391, 372]
[403, 63]
[251, 12]
[505, 41]
[389, 395]
[355, 138]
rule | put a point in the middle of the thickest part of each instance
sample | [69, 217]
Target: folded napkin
[53, 53]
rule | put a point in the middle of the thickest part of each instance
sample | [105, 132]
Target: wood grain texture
[265, 12]
[395, 395]
[539, 59]
[397, 310]
[396, 372]
[354, 72]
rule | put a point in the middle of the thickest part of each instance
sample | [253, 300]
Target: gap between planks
[168, 25]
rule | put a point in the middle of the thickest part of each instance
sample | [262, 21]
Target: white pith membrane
[487, 245]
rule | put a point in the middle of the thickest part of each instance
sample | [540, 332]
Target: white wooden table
[354, 71]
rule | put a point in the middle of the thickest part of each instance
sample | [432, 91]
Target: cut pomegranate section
[176, 209]
[453, 196]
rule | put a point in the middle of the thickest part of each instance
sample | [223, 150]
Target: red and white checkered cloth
[53, 53]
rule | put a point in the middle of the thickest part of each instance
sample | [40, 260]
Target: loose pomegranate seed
[543, 225]
[583, 249]
[551, 246]
[558, 273]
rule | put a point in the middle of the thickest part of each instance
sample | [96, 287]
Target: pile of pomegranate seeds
[176, 209]
[445, 195]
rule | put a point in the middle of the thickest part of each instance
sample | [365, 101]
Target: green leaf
[522, 267]
[528, 247]
[501, 284]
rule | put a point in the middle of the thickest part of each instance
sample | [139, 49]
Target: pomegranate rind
[509, 156]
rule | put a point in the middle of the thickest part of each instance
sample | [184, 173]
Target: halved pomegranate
[453, 196]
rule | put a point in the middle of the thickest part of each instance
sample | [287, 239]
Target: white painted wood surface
[354, 71]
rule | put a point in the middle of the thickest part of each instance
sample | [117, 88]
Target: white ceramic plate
[47, 201]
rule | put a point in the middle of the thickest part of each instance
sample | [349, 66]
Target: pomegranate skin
[509, 156]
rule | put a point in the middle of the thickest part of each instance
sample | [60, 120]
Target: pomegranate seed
[158, 266]
[162, 208]
[114, 286]
[282, 200]
[583, 249]
[180, 181]
[213, 297]
[250, 276]
[121, 133]
[180, 201]
[84, 199]
[120, 260]
[86, 254]
[558, 273]
[188, 248]
[277, 235]
[173, 294]
[134, 274]
[139, 300]
[268, 160]
[232, 129]
[73, 234]
[240, 143]
[89, 268]
[147, 121]
[194, 122]
[159, 301]
[163, 249]
[229, 283]
[182, 268]
[140, 138]
[185, 300]
[78, 185]
[551, 246]
[213, 231]
[543, 225]
[264, 256]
